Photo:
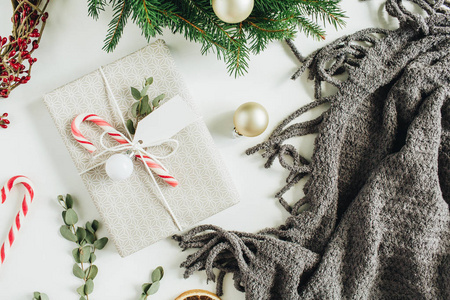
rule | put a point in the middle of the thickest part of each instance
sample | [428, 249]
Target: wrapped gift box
[132, 209]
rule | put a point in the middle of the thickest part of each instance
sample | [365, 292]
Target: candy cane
[154, 166]
[28, 198]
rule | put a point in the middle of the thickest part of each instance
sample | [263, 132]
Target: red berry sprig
[4, 122]
[16, 51]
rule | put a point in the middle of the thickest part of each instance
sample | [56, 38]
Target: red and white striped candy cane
[28, 198]
[151, 163]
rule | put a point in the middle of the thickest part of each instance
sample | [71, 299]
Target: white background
[41, 259]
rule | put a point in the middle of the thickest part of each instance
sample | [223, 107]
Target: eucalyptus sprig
[143, 107]
[40, 296]
[87, 244]
[152, 287]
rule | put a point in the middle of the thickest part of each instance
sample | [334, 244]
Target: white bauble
[119, 167]
[233, 11]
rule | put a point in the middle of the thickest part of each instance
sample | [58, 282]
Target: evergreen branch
[117, 24]
[94, 7]
[271, 20]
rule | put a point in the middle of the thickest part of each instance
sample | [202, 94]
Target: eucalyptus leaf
[158, 99]
[78, 272]
[134, 109]
[136, 94]
[71, 217]
[149, 81]
[101, 243]
[81, 234]
[76, 255]
[89, 227]
[44, 297]
[92, 272]
[68, 234]
[80, 290]
[130, 127]
[95, 225]
[145, 287]
[89, 287]
[85, 254]
[82, 298]
[153, 289]
[157, 274]
[144, 90]
[92, 258]
[69, 201]
[143, 297]
[90, 237]
[36, 295]
[64, 217]
[145, 106]
[61, 201]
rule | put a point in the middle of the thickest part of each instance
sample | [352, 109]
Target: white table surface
[41, 259]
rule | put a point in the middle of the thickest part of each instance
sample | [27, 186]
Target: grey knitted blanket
[375, 219]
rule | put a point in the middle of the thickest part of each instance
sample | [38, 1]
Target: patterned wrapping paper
[132, 210]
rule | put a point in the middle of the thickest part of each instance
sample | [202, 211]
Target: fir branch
[271, 20]
[122, 10]
[95, 6]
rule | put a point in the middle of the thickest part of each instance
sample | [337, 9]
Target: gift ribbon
[150, 161]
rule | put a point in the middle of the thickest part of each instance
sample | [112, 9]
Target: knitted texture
[375, 220]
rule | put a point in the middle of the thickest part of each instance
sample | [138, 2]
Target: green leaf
[158, 99]
[136, 94]
[85, 254]
[64, 217]
[92, 258]
[69, 201]
[130, 126]
[80, 290]
[36, 295]
[62, 202]
[143, 297]
[44, 297]
[91, 272]
[95, 225]
[145, 107]
[76, 255]
[157, 274]
[149, 81]
[90, 237]
[144, 90]
[81, 234]
[89, 227]
[71, 217]
[153, 289]
[145, 287]
[77, 271]
[101, 243]
[134, 109]
[82, 298]
[89, 287]
[68, 234]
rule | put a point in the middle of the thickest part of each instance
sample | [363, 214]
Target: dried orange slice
[197, 295]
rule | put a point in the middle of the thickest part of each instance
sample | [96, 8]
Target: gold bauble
[250, 119]
[232, 11]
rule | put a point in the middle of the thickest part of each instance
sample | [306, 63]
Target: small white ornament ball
[233, 11]
[250, 119]
[119, 167]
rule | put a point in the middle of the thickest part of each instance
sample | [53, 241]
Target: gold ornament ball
[250, 119]
[232, 11]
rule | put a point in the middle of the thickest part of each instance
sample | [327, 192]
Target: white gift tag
[164, 122]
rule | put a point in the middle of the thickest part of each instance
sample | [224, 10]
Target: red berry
[5, 114]
[3, 126]
[6, 121]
